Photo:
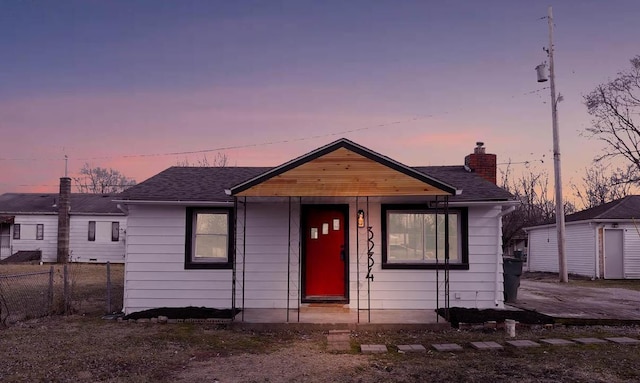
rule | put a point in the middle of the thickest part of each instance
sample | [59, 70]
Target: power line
[232, 147]
[243, 146]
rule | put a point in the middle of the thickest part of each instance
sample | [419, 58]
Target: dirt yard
[83, 349]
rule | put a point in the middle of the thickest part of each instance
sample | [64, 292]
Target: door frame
[304, 212]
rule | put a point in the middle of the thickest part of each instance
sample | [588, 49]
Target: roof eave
[175, 203]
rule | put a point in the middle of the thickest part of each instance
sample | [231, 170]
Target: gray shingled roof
[191, 184]
[43, 203]
[624, 208]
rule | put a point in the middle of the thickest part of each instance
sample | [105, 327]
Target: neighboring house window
[409, 239]
[115, 231]
[92, 231]
[209, 241]
[40, 231]
[16, 231]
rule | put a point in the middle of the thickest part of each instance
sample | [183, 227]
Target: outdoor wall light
[361, 218]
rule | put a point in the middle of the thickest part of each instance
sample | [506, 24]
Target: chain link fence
[25, 296]
[73, 288]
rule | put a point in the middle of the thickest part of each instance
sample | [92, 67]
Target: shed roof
[624, 208]
[46, 203]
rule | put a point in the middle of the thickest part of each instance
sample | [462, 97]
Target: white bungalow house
[601, 242]
[341, 225]
[29, 223]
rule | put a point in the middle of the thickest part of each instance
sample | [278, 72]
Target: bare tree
[536, 208]
[613, 107]
[601, 185]
[219, 161]
[101, 180]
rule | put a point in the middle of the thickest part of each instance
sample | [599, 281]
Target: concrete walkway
[578, 302]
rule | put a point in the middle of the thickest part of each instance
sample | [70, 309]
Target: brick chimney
[64, 205]
[482, 163]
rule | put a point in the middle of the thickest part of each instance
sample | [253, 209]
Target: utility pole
[562, 258]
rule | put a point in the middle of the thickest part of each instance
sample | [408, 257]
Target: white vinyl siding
[103, 249]
[631, 243]
[416, 289]
[267, 257]
[155, 275]
[28, 242]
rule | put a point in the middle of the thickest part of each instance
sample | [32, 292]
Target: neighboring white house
[29, 222]
[601, 242]
[341, 224]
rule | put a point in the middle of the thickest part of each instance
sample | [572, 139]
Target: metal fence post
[51, 289]
[108, 288]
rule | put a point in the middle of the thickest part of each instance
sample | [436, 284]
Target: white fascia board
[175, 203]
[482, 203]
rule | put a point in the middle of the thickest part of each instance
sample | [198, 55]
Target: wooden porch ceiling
[343, 173]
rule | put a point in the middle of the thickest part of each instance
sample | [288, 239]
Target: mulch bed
[457, 315]
[190, 312]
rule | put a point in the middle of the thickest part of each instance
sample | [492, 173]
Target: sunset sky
[125, 84]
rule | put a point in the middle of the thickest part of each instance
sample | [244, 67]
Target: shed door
[325, 253]
[613, 263]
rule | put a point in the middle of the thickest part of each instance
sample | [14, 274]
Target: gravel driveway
[575, 301]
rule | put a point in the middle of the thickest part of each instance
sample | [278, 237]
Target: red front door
[325, 252]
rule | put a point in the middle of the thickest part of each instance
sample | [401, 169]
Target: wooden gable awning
[342, 169]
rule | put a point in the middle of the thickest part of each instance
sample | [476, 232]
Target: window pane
[92, 231]
[211, 246]
[210, 242]
[208, 223]
[40, 231]
[115, 231]
[412, 237]
[16, 231]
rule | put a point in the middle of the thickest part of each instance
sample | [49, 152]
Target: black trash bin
[512, 268]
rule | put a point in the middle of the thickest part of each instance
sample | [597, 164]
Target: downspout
[504, 212]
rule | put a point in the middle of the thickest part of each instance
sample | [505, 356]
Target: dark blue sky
[108, 78]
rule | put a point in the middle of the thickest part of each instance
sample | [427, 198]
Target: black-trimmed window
[115, 231]
[409, 238]
[209, 239]
[16, 231]
[91, 235]
[39, 231]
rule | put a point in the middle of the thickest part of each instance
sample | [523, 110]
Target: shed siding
[155, 274]
[580, 247]
[631, 251]
[103, 249]
[48, 245]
